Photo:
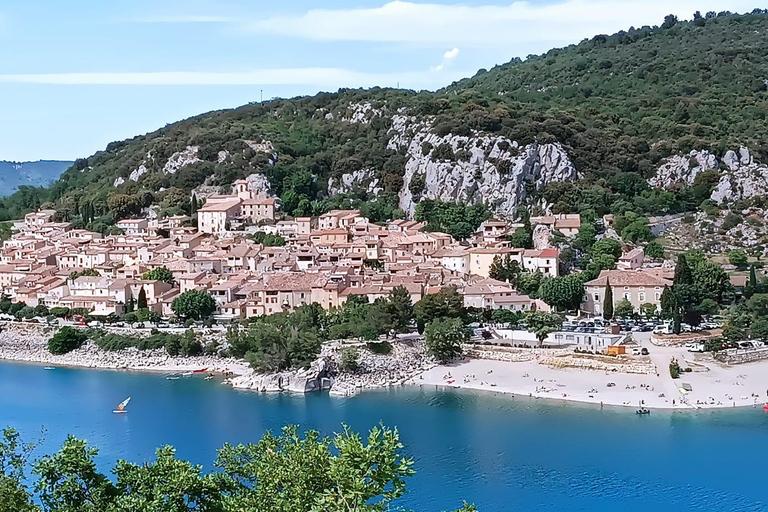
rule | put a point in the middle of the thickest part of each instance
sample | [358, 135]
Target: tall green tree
[565, 292]
[195, 304]
[160, 274]
[608, 301]
[399, 309]
[443, 338]
[447, 303]
[543, 324]
[141, 302]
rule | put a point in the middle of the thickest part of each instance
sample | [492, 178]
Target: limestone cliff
[740, 176]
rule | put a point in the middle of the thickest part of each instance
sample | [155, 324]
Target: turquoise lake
[498, 452]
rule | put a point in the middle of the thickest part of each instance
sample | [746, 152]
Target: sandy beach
[713, 385]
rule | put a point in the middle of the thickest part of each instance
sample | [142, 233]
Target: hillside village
[324, 260]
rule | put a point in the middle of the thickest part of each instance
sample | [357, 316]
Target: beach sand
[734, 386]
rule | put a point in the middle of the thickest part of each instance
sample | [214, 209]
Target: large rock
[740, 176]
[476, 168]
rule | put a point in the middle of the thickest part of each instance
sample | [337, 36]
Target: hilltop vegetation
[618, 105]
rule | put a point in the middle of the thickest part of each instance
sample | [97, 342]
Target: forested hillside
[580, 128]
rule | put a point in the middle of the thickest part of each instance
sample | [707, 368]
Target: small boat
[172, 377]
[209, 377]
[187, 374]
[121, 406]
[643, 411]
[202, 370]
[49, 368]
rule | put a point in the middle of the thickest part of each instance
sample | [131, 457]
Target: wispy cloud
[319, 77]
[447, 59]
[484, 25]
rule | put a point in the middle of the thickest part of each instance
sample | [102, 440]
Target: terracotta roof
[628, 278]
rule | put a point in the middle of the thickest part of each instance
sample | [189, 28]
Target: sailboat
[121, 406]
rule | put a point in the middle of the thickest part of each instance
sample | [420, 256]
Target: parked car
[695, 347]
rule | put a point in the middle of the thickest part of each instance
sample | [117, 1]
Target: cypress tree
[752, 278]
[608, 301]
[142, 302]
[683, 273]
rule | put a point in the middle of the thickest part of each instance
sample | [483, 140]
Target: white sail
[123, 404]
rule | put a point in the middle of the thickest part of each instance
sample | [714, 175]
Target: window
[626, 288]
[641, 297]
[627, 295]
[658, 296]
[597, 297]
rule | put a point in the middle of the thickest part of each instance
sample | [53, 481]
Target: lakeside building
[639, 286]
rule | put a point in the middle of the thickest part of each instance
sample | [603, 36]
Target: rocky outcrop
[181, 159]
[259, 185]
[362, 179]
[740, 176]
[359, 113]
[315, 378]
[683, 169]
[541, 236]
[475, 168]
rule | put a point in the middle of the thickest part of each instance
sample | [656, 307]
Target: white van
[665, 328]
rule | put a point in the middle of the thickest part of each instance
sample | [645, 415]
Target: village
[323, 260]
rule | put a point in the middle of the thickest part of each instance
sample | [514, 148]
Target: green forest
[619, 104]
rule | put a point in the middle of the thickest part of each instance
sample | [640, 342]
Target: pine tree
[142, 302]
[608, 301]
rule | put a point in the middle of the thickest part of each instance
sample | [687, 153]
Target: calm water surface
[498, 452]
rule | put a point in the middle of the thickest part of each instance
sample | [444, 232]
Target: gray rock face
[479, 168]
[362, 179]
[742, 178]
[541, 235]
[683, 169]
[181, 159]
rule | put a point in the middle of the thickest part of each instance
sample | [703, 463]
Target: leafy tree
[597, 264]
[543, 324]
[88, 272]
[564, 292]
[608, 301]
[648, 310]
[443, 337]
[399, 309]
[66, 340]
[160, 274]
[447, 303]
[268, 239]
[528, 283]
[505, 316]
[607, 246]
[350, 360]
[195, 304]
[624, 309]
[522, 238]
[738, 258]
[654, 250]
[504, 268]
[759, 329]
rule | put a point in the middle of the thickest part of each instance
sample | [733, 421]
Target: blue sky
[79, 74]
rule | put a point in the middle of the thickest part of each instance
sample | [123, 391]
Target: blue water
[498, 452]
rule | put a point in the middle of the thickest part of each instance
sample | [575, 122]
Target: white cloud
[485, 25]
[447, 59]
[319, 77]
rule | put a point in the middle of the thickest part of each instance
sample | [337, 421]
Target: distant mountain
[36, 174]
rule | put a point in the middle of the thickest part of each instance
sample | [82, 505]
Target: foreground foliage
[280, 473]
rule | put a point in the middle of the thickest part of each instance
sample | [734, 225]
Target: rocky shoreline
[22, 342]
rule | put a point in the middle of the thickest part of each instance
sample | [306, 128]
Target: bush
[349, 360]
[66, 340]
[382, 348]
